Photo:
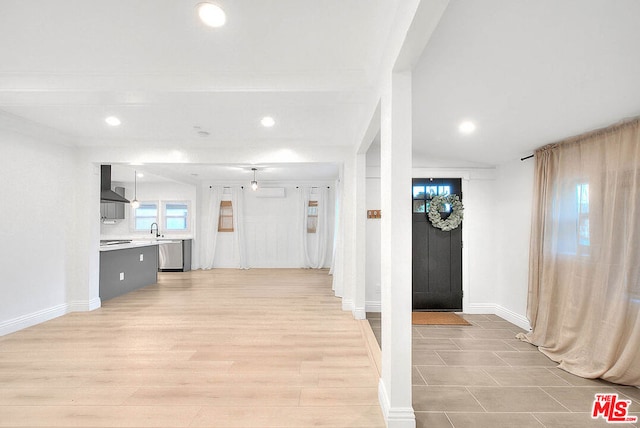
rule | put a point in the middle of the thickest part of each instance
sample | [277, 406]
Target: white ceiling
[70, 63]
[266, 174]
[528, 73]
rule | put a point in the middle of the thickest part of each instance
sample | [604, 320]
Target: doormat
[437, 318]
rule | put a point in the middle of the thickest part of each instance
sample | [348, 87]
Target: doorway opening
[437, 254]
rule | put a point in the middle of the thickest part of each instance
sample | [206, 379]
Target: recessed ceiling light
[140, 175]
[211, 14]
[466, 127]
[112, 120]
[267, 121]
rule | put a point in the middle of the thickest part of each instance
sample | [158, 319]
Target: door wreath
[454, 219]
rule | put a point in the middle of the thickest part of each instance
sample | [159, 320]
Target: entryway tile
[581, 399]
[516, 399]
[499, 333]
[431, 332]
[426, 358]
[494, 420]
[471, 358]
[416, 377]
[630, 391]
[520, 345]
[444, 398]
[420, 345]
[525, 376]
[482, 345]
[577, 380]
[495, 380]
[432, 420]
[573, 420]
[462, 376]
[529, 359]
[495, 324]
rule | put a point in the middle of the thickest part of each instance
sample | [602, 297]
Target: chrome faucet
[157, 231]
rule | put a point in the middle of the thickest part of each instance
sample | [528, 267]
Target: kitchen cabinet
[113, 210]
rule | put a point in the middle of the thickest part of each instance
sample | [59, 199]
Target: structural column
[396, 288]
[360, 227]
[348, 232]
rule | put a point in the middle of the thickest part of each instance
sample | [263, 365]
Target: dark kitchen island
[126, 267]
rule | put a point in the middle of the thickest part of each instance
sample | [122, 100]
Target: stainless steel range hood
[106, 194]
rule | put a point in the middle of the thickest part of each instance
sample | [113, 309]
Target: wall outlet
[121, 276]
[141, 257]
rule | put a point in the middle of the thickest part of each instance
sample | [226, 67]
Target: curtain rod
[526, 157]
[590, 134]
[297, 187]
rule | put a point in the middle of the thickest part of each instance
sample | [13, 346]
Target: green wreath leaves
[454, 219]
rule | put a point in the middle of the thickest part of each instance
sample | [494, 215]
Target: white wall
[271, 235]
[479, 234]
[154, 191]
[58, 186]
[514, 201]
[496, 224]
[372, 277]
[38, 234]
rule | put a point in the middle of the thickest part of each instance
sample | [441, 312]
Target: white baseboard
[359, 314]
[474, 308]
[383, 398]
[84, 305]
[94, 304]
[373, 306]
[514, 318]
[347, 304]
[28, 320]
[398, 417]
[491, 308]
[479, 308]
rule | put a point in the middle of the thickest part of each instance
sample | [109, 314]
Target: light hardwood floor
[220, 348]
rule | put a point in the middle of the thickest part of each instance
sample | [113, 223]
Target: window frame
[312, 219]
[134, 217]
[569, 208]
[223, 205]
[161, 216]
[165, 217]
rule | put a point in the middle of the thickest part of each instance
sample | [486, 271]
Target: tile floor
[482, 376]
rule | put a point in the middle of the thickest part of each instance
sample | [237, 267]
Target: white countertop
[136, 244]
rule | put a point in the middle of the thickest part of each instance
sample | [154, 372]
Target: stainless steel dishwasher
[170, 255]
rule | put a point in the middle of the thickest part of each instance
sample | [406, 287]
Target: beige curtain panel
[584, 276]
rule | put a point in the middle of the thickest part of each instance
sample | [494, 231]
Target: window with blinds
[225, 221]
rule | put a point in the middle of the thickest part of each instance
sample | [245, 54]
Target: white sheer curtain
[336, 227]
[210, 227]
[303, 209]
[237, 202]
[313, 259]
[322, 229]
